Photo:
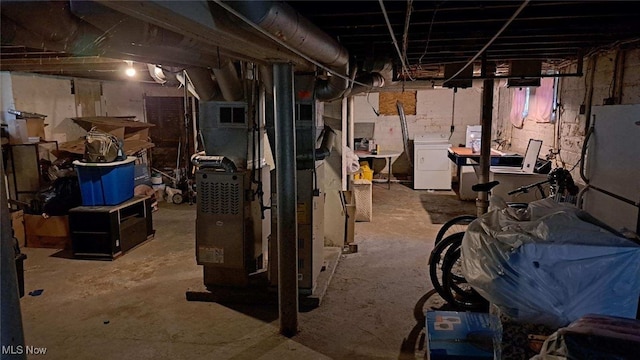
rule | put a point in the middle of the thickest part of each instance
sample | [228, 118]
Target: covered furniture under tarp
[551, 264]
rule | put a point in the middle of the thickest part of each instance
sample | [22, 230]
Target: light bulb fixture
[130, 71]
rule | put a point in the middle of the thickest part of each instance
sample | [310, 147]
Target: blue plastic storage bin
[106, 183]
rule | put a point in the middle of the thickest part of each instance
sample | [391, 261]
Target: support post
[482, 202]
[287, 204]
[343, 143]
[12, 334]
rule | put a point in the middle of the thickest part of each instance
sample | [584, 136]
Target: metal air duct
[281, 20]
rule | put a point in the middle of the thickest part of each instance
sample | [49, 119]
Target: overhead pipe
[266, 76]
[202, 83]
[284, 22]
[365, 83]
[228, 80]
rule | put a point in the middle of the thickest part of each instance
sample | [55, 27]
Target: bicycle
[450, 236]
[445, 270]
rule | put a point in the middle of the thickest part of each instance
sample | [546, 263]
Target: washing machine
[431, 165]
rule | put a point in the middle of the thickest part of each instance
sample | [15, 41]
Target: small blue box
[106, 183]
[460, 335]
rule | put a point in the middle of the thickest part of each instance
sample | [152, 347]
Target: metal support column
[345, 176]
[12, 337]
[482, 202]
[283, 111]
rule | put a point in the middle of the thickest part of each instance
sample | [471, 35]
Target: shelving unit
[26, 177]
[106, 232]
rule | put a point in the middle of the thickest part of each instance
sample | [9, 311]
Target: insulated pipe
[351, 120]
[228, 81]
[12, 335]
[202, 83]
[283, 113]
[371, 80]
[266, 75]
[283, 21]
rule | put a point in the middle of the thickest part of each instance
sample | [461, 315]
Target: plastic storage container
[106, 183]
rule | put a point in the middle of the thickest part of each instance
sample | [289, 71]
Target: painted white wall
[51, 96]
[126, 98]
[123, 98]
[434, 112]
[6, 96]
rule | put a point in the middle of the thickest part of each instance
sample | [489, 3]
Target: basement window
[539, 104]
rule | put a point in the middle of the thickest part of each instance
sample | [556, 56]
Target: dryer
[431, 165]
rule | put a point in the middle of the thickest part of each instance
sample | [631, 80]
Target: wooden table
[385, 154]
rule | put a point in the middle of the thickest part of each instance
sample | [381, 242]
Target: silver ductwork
[365, 83]
[281, 20]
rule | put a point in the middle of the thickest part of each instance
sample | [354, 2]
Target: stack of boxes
[109, 183]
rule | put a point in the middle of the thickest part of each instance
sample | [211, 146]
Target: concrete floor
[135, 307]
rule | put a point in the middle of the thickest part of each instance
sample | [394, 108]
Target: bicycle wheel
[456, 290]
[456, 225]
[437, 256]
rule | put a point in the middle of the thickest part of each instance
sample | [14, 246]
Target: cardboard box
[460, 335]
[20, 130]
[135, 134]
[52, 232]
[17, 223]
